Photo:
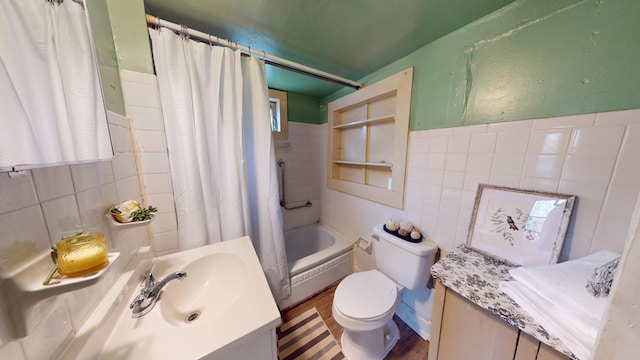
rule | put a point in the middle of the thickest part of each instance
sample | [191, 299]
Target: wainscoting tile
[24, 234]
[53, 182]
[128, 188]
[154, 163]
[145, 118]
[141, 94]
[589, 168]
[573, 121]
[543, 166]
[62, 216]
[626, 170]
[151, 140]
[157, 183]
[483, 143]
[512, 143]
[479, 163]
[603, 140]
[16, 193]
[124, 166]
[622, 117]
[553, 141]
[165, 241]
[458, 144]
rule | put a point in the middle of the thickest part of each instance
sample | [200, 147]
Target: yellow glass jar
[82, 254]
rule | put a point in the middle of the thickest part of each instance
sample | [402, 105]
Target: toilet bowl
[364, 303]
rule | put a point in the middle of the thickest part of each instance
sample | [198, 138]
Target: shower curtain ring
[210, 44]
[185, 31]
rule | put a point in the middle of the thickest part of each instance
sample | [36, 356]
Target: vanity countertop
[477, 277]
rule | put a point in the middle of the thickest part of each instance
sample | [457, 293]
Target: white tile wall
[35, 210]
[594, 156]
[303, 165]
[150, 159]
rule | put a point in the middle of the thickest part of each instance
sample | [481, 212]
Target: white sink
[213, 284]
[222, 304]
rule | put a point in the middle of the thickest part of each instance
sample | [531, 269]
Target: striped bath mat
[307, 337]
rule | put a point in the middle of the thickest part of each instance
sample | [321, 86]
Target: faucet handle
[149, 278]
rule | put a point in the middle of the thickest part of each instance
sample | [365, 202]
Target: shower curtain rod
[268, 59]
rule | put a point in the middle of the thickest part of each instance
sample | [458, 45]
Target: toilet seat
[366, 296]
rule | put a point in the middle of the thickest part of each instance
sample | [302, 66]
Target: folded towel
[564, 283]
[554, 319]
[599, 283]
[556, 297]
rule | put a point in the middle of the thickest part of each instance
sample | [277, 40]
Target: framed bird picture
[519, 227]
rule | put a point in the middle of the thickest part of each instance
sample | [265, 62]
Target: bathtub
[317, 257]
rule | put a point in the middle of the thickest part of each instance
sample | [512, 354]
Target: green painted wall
[106, 55]
[120, 35]
[303, 108]
[130, 35]
[531, 59]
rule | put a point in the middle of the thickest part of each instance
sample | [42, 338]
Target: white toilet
[364, 302]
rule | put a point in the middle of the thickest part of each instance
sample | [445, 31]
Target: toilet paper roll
[364, 245]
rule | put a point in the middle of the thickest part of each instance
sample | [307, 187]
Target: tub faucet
[150, 294]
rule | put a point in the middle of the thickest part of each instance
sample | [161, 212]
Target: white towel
[564, 283]
[553, 319]
[556, 297]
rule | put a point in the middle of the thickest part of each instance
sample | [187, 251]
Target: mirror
[50, 90]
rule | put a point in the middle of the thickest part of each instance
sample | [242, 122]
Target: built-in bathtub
[317, 257]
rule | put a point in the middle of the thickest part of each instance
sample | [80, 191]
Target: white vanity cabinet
[262, 345]
[222, 310]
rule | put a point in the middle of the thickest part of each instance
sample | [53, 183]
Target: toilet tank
[406, 263]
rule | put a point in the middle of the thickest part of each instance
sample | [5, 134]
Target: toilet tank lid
[424, 247]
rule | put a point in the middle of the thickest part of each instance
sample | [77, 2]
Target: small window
[278, 110]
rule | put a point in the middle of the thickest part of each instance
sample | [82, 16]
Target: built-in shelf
[363, 163]
[368, 139]
[380, 119]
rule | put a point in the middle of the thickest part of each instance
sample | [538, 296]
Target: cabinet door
[547, 353]
[469, 332]
[527, 347]
[532, 349]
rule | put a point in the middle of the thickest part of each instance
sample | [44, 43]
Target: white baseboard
[416, 322]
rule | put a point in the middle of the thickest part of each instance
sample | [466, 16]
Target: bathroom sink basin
[224, 305]
[213, 284]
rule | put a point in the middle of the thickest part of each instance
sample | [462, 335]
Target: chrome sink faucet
[150, 294]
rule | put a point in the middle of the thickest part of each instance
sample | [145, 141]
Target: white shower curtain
[215, 105]
[50, 96]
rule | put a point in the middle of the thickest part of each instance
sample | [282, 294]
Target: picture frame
[519, 227]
